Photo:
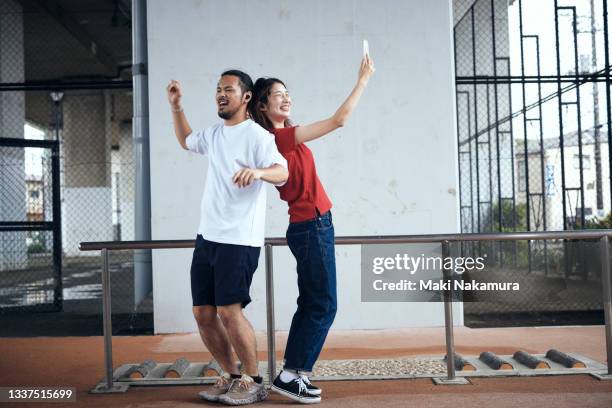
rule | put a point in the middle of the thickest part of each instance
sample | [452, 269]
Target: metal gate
[533, 114]
[30, 227]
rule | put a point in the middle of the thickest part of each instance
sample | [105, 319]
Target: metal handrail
[367, 239]
[443, 239]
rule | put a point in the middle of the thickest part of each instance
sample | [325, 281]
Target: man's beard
[227, 114]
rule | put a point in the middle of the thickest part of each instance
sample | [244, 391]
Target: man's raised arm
[181, 126]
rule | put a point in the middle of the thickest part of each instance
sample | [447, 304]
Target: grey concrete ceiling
[75, 38]
[87, 38]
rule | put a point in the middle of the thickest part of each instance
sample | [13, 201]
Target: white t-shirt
[230, 214]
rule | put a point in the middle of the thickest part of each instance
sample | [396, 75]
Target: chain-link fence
[533, 149]
[65, 86]
[96, 174]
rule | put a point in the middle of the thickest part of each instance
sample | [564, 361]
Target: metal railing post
[271, 331]
[607, 296]
[108, 326]
[448, 316]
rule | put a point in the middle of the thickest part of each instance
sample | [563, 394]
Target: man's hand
[246, 176]
[175, 94]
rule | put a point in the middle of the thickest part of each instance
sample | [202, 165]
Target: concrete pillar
[86, 194]
[123, 177]
[127, 184]
[13, 251]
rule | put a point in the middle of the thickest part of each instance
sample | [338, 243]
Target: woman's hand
[315, 130]
[366, 69]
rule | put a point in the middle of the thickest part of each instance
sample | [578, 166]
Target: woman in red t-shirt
[310, 234]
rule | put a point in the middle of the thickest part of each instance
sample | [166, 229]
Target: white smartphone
[366, 48]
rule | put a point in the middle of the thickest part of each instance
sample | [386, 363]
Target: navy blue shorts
[221, 274]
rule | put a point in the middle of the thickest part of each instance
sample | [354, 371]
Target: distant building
[547, 173]
[35, 209]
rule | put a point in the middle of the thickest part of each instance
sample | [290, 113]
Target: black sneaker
[312, 389]
[295, 390]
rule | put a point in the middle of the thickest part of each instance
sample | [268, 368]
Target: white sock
[288, 376]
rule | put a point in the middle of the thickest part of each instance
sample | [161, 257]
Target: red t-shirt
[303, 191]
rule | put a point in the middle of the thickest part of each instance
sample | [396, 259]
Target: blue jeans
[312, 244]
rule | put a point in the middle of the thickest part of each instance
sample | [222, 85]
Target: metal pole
[512, 157]
[58, 292]
[448, 316]
[108, 326]
[608, 84]
[143, 281]
[525, 139]
[500, 202]
[270, 314]
[490, 165]
[596, 124]
[477, 147]
[607, 297]
[561, 143]
[578, 118]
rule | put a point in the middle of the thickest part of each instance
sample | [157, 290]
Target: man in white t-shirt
[241, 156]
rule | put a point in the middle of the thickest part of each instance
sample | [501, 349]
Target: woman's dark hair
[261, 91]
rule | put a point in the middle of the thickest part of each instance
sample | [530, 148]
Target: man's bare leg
[241, 336]
[215, 337]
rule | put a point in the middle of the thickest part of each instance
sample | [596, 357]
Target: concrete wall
[391, 170]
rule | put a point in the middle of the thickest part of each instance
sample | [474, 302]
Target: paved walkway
[78, 362]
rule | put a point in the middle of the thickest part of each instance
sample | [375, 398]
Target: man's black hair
[246, 83]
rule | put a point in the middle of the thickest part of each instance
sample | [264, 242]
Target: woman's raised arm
[317, 129]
